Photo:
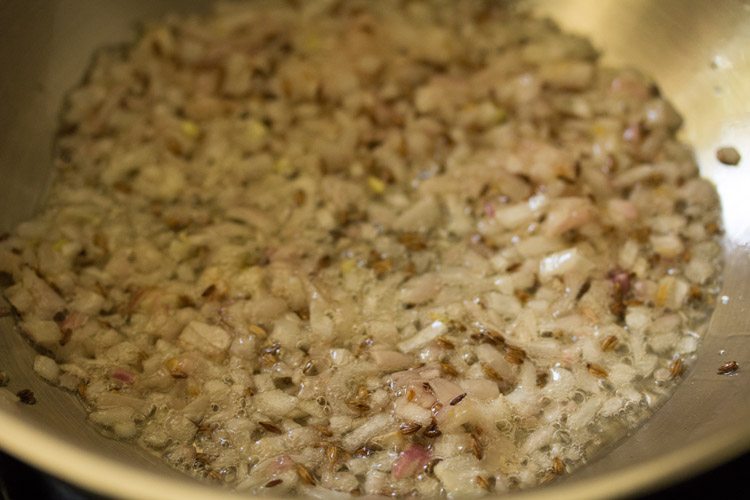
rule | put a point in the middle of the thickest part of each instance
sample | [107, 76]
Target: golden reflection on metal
[699, 54]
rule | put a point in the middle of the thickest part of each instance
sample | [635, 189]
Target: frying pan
[698, 52]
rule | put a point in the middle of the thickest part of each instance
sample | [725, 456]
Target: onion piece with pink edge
[410, 461]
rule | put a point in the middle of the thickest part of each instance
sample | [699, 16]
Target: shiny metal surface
[696, 50]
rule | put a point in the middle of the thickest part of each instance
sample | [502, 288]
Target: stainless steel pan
[698, 51]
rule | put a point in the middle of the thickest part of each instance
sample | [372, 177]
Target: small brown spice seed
[436, 407]
[309, 369]
[268, 359]
[257, 330]
[609, 343]
[332, 453]
[676, 368]
[407, 428]
[558, 466]
[498, 337]
[324, 431]
[584, 288]
[476, 447]
[410, 394]
[412, 241]
[482, 482]
[549, 476]
[728, 368]
[432, 430]
[382, 267]
[457, 399]
[273, 482]
[596, 370]
[304, 474]
[430, 467]
[270, 427]
[358, 406]
[490, 372]
[448, 369]
[445, 343]
[514, 355]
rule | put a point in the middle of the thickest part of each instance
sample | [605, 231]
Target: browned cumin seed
[457, 399]
[270, 427]
[332, 453]
[410, 394]
[430, 467]
[597, 370]
[412, 241]
[728, 368]
[609, 343]
[257, 330]
[448, 369]
[309, 369]
[476, 447]
[324, 431]
[432, 430]
[445, 343]
[482, 482]
[514, 355]
[676, 368]
[558, 466]
[489, 372]
[407, 428]
[305, 475]
[358, 406]
[273, 482]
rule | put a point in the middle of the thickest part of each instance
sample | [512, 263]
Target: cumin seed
[597, 370]
[609, 343]
[676, 368]
[448, 369]
[407, 428]
[432, 430]
[457, 399]
[558, 466]
[728, 368]
[273, 482]
[305, 475]
[584, 288]
[270, 427]
[482, 482]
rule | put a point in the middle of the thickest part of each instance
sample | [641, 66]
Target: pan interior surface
[693, 49]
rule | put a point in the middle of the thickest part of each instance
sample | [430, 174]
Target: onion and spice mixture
[384, 248]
